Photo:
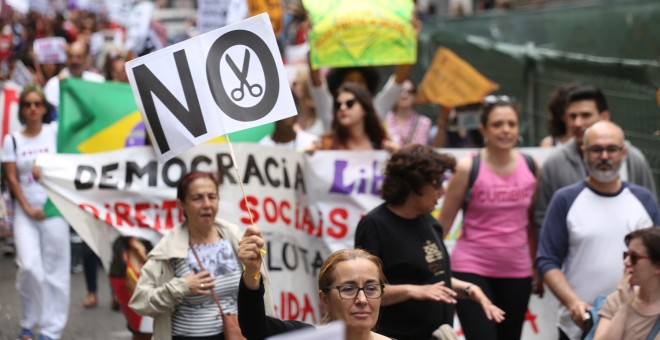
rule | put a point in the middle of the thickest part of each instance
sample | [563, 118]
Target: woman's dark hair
[650, 238]
[372, 124]
[557, 108]
[186, 180]
[492, 102]
[410, 169]
[335, 78]
[33, 88]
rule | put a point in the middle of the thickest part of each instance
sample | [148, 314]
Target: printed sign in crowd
[361, 33]
[226, 80]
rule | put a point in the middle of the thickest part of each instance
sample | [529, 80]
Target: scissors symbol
[237, 94]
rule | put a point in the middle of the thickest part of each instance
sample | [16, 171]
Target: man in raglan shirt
[582, 236]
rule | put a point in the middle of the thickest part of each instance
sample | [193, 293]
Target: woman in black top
[351, 283]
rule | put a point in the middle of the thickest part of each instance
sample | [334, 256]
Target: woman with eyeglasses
[404, 125]
[402, 233]
[633, 311]
[356, 125]
[43, 250]
[498, 240]
[350, 285]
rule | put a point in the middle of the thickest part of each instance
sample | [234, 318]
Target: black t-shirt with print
[411, 254]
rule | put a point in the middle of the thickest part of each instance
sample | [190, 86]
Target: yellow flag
[452, 81]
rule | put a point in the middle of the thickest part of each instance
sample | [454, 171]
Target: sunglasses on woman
[634, 257]
[349, 104]
[28, 105]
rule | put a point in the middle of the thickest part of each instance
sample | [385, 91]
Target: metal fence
[531, 74]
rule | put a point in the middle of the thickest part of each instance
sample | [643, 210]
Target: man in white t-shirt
[76, 66]
[286, 136]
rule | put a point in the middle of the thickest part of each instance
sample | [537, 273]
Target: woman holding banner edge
[42, 242]
[194, 270]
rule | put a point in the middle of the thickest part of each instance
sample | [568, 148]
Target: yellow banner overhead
[361, 33]
[452, 81]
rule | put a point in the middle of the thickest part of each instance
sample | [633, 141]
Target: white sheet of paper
[335, 330]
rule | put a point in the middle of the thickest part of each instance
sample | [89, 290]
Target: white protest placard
[213, 14]
[220, 82]
[21, 6]
[119, 10]
[50, 50]
[40, 6]
[335, 330]
[137, 26]
[21, 75]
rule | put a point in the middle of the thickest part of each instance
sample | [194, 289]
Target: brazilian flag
[97, 117]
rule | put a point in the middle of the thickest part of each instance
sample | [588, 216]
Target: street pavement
[97, 323]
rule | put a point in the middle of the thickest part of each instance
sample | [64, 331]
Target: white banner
[220, 82]
[50, 50]
[306, 206]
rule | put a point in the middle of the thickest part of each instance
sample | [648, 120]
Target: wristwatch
[468, 289]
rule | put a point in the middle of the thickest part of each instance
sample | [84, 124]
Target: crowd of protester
[595, 191]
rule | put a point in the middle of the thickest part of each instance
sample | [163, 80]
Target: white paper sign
[21, 6]
[220, 82]
[213, 14]
[119, 10]
[50, 50]
[335, 330]
[137, 27]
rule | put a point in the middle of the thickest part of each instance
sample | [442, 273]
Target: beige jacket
[158, 292]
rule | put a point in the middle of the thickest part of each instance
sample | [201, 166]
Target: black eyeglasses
[350, 291]
[349, 104]
[27, 105]
[597, 150]
[410, 91]
[634, 257]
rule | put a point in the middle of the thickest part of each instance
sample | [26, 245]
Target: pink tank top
[493, 240]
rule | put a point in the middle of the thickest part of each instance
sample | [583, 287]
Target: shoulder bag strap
[411, 132]
[201, 267]
[655, 330]
[474, 172]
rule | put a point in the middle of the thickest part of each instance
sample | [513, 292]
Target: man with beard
[580, 250]
[584, 106]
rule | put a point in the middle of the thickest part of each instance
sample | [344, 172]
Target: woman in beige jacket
[173, 288]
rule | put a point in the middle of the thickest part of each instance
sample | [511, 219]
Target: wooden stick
[240, 182]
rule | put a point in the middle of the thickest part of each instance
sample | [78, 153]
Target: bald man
[76, 67]
[581, 241]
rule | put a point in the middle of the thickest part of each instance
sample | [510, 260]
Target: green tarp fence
[530, 74]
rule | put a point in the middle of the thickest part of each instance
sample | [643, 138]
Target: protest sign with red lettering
[50, 50]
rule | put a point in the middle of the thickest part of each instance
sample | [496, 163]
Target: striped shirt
[198, 315]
